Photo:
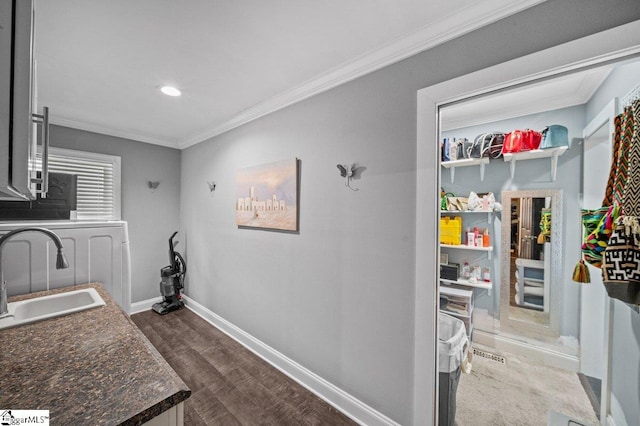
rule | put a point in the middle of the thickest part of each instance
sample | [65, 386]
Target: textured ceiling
[100, 63]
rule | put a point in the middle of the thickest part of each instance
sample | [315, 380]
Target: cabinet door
[17, 142]
[6, 39]
[23, 138]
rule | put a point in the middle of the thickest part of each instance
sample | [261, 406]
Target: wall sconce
[152, 185]
[351, 171]
[212, 187]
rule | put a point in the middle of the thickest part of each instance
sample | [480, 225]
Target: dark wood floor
[230, 385]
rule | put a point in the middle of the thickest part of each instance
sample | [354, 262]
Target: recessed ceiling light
[170, 91]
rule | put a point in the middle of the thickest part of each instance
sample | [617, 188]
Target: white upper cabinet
[6, 40]
[19, 177]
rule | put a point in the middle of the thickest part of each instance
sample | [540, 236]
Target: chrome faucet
[61, 260]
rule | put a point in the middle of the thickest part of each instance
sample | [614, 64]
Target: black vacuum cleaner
[172, 281]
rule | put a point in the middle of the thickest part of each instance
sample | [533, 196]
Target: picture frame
[268, 196]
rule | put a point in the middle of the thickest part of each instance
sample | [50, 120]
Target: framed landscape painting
[267, 196]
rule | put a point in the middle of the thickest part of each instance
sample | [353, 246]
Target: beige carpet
[519, 393]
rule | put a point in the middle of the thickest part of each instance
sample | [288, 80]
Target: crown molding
[112, 132]
[455, 25]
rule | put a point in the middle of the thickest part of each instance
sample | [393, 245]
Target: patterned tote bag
[621, 259]
[598, 225]
[621, 262]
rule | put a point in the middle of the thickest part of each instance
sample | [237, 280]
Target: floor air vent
[489, 355]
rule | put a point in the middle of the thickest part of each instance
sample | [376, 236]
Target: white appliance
[96, 251]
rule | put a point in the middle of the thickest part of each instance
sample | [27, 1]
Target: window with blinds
[98, 181]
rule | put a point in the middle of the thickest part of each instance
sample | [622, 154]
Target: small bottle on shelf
[486, 275]
[476, 273]
[466, 271]
[477, 237]
[486, 239]
[471, 237]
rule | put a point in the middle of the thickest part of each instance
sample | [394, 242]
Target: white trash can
[452, 349]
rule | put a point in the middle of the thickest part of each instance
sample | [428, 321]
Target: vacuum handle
[172, 253]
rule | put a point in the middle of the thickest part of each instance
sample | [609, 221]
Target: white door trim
[613, 45]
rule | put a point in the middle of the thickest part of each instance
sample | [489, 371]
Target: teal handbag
[554, 136]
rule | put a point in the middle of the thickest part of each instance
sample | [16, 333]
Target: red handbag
[521, 140]
[533, 139]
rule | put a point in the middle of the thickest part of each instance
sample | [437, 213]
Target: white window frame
[106, 158]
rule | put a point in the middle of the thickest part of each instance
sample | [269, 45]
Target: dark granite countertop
[91, 367]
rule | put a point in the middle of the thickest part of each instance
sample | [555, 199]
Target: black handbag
[487, 145]
[480, 146]
[495, 145]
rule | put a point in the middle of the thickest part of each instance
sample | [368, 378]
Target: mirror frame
[507, 321]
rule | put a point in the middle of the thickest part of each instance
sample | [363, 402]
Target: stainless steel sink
[46, 307]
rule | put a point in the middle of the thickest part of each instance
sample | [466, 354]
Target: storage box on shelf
[450, 230]
[532, 288]
[458, 303]
[449, 271]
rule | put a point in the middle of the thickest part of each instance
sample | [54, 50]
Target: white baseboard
[347, 404]
[542, 355]
[144, 305]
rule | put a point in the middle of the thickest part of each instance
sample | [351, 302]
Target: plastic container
[486, 275]
[451, 230]
[471, 239]
[466, 271]
[452, 348]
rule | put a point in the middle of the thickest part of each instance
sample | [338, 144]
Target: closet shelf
[488, 250]
[465, 163]
[466, 247]
[552, 153]
[465, 211]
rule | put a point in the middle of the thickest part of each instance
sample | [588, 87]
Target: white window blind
[98, 196]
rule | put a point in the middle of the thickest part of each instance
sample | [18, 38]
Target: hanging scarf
[613, 170]
[621, 259]
[624, 153]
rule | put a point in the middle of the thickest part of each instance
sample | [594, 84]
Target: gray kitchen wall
[338, 298]
[152, 216]
[625, 356]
